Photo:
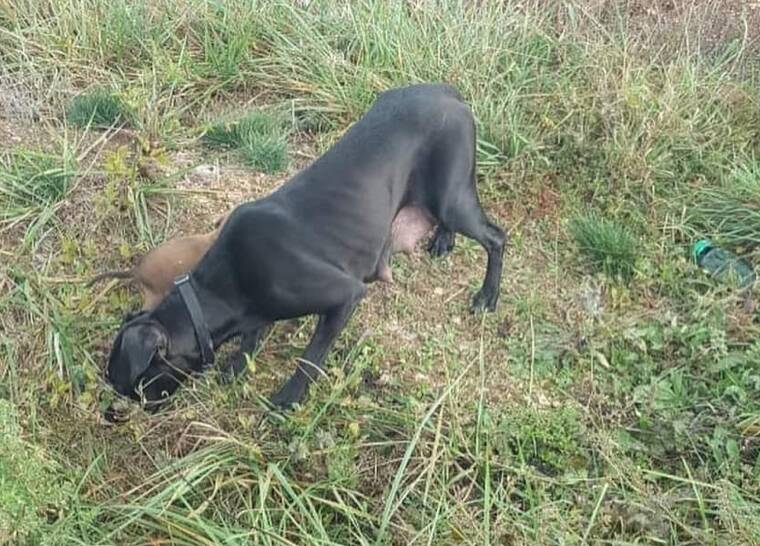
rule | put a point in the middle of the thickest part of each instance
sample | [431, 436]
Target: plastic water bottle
[723, 265]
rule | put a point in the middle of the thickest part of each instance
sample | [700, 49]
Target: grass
[585, 411]
[609, 246]
[34, 488]
[32, 184]
[548, 439]
[731, 211]
[98, 108]
[258, 137]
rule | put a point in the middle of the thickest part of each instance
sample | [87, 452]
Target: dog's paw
[290, 394]
[441, 244]
[234, 368]
[283, 401]
[484, 301]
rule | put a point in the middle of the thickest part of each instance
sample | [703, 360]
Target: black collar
[202, 334]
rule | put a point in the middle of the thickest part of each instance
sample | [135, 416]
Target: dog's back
[385, 161]
[424, 90]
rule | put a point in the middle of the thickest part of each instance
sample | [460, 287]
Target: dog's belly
[409, 226]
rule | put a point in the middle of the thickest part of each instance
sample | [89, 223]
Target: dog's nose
[114, 414]
[117, 410]
[111, 415]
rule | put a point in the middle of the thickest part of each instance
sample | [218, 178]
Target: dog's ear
[135, 348]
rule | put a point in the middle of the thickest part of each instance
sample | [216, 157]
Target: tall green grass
[629, 128]
[32, 185]
[730, 212]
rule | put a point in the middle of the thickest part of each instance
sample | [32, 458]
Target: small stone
[205, 172]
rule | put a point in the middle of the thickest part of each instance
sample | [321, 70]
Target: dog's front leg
[310, 365]
[237, 364]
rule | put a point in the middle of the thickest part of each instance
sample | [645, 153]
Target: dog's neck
[223, 320]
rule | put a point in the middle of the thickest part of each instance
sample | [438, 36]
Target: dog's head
[148, 365]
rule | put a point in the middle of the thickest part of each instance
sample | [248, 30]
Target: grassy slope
[583, 410]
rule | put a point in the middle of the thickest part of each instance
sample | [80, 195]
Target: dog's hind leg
[474, 224]
[469, 219]
[456, 206]
[310, 366]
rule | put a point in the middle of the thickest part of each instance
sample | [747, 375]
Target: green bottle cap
[700, 247]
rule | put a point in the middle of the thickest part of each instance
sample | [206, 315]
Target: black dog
[311, 246]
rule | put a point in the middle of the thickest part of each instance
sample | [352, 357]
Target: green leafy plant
[546, 438]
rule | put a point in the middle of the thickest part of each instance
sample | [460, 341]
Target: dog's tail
[126, 274]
